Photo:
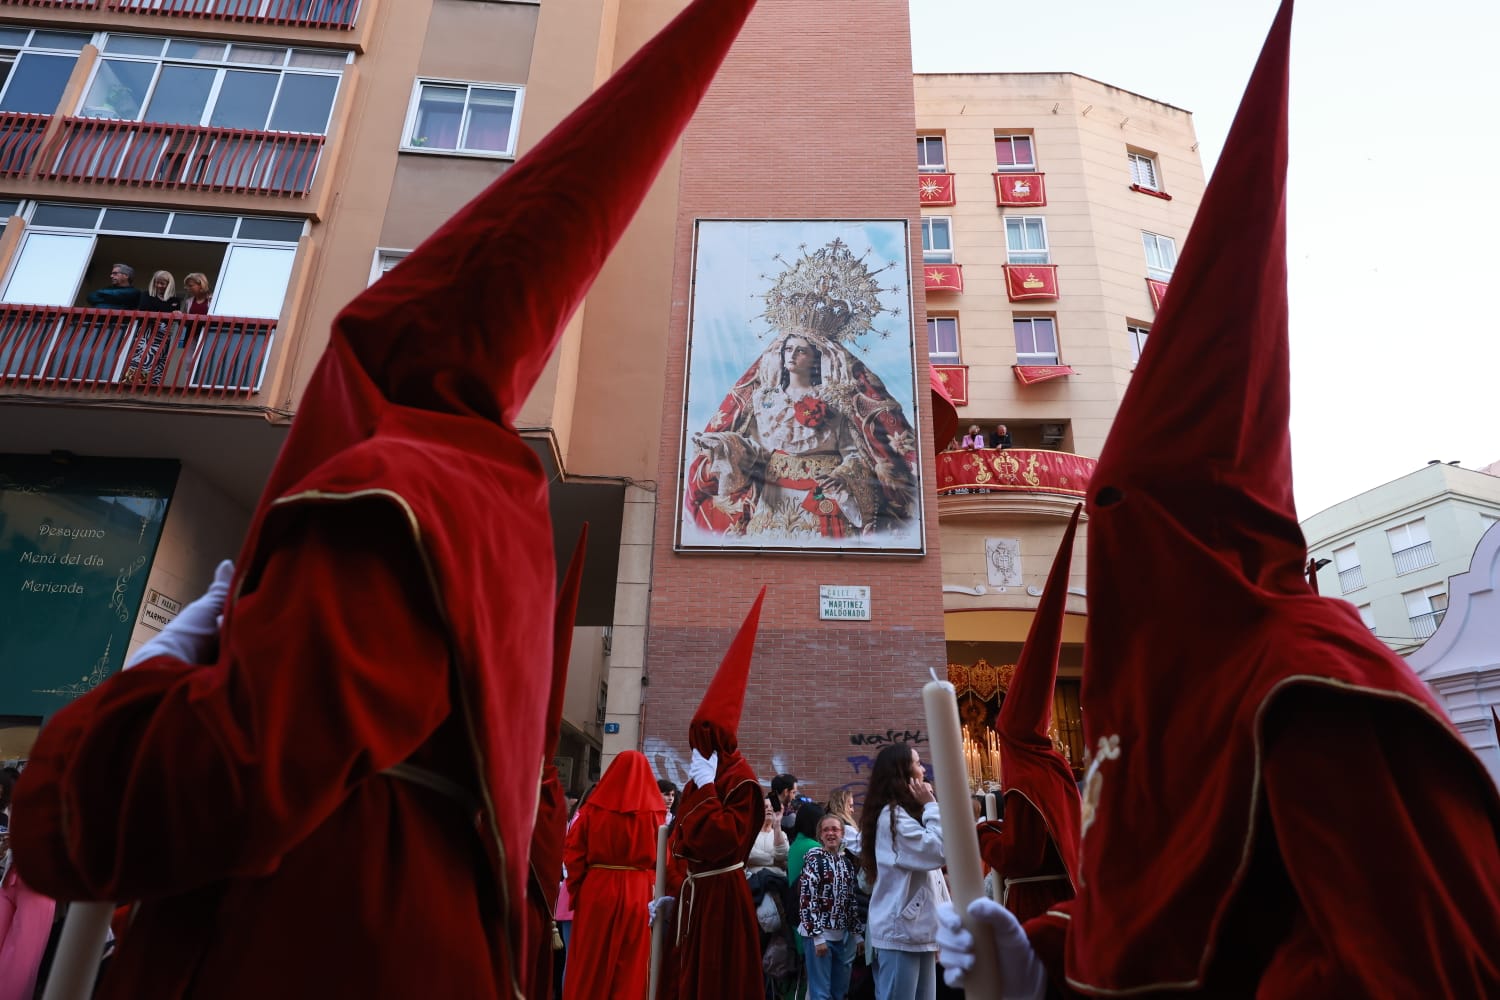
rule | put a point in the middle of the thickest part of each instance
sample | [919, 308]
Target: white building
[1390, 550]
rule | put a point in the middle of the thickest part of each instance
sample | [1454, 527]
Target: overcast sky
[1394, 202]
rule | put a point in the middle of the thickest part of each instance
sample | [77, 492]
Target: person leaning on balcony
[120, 294]
[195, 302]
[162, 295]
[974, 438]
[1000, 438]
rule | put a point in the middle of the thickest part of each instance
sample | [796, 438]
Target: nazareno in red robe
[238, 799]
[713, 947]
[714, 929]
[1035, 851]
[611, 861]
[1276, 805]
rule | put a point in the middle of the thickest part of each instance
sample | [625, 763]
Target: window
[931, 156]
[1367, 616]
[937, 240]
[384, 261]
[1143, 171]
[1138, 334]
[942, 340]
[204, 83]
[1036, 340]
[1026, 240]
[1425, 609]
[35, 66]
[1411, 546]
[1351, 574]
[1161, 255]
[1014, 152]
[456, 117]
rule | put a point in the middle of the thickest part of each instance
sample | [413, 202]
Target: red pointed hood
[467, 322]
[1030, 766]
[629, 786]
[715, 726]
[1199, 613]
[944, 413]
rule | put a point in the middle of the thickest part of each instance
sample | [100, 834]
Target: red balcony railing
[301, 13]
[20, 135]
[989, 470]
[146, 154]
[132, 352]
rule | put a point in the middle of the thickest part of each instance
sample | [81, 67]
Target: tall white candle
[660, 927]
[990, 812]
[960, 837]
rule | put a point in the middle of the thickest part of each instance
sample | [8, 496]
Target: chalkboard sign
[77, 537]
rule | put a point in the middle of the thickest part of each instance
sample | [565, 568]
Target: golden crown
[830, 292]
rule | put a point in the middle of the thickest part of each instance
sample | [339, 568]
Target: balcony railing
[989, 470]
[1422, 626]
[1352, 578]
[1413, 557]
[301, 13]
[20, 136]
[146, 154]
[132, 352]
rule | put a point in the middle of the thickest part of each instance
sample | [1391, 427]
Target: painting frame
[801, 427]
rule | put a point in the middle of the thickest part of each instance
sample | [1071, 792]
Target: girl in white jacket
[902, 839]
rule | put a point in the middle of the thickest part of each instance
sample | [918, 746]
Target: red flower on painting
[810, 412]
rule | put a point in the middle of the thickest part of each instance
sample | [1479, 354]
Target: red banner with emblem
[1032, 374]
[1158, 291]
[1021, 189]
[935, 190]
[988, 470]
[955, 379]
[1030, 281]
[943, 277]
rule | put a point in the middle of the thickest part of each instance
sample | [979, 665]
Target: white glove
[190, 637]
[1021, 974]
[661, 906]
[702, 770]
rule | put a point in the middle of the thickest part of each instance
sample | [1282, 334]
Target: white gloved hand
[702, 770]
[190, 637]
[661, 907]
[1022, 976]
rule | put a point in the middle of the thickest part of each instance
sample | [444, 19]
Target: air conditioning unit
[1053, 434]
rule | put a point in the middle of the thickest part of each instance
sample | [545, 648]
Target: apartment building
[1390, 550]
[1053, 208]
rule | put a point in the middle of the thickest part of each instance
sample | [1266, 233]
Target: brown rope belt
[689, 890]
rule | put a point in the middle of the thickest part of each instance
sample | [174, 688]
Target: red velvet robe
[609, 954]
[716, 936]
[1021, 848]
[242, 802]
[543, 879]
[1375, 872]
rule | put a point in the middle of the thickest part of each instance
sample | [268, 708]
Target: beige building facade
[1067, 195]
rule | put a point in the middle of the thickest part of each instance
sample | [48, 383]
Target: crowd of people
[160, 295]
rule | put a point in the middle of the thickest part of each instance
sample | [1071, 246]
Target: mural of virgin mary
[808, 449]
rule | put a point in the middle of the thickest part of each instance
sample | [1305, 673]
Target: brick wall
[812, 117]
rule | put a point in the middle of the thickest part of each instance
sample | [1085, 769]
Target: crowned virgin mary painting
[800, 390]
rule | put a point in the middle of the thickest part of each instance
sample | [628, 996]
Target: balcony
[129, 352]
[299, 13]
[943, 277]
[1413, 558]
[1423, 626]
[1352, 578]
[20, 137]
[148, 155]
[1012, 480]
